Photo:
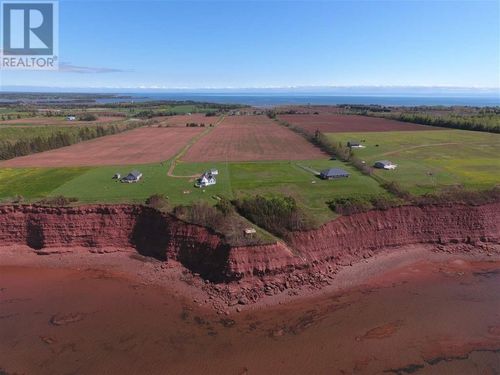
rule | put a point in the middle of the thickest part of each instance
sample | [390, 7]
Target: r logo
[28, 28]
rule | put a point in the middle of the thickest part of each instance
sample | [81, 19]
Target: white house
[206, 179]
[71, 118]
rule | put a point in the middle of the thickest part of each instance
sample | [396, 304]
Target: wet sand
[422, 317]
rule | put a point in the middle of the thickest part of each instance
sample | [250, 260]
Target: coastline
[174, 280]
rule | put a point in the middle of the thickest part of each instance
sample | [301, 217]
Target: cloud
[70, 68]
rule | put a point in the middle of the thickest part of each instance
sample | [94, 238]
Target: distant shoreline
[264, 99]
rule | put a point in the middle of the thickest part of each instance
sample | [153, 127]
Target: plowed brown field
[247, 138]
[138, 146]
[182, 120]
[349, 123]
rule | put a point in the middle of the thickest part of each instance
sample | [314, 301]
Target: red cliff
[203, 251]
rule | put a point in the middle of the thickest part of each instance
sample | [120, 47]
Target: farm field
[433, 159]
[182, 120]
[138, 146]
[59, 121]
[332, 123]
[249, 138]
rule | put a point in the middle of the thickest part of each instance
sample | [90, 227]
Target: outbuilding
[384, 164]
[71, 118]
[332, 173]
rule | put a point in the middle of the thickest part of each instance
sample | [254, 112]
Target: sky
[264, 44]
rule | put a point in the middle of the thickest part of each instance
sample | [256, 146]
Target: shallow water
[422, 319]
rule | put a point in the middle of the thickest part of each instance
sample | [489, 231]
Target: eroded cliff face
[118, 227]
[164, 237]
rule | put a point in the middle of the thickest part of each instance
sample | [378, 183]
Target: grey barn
[329, 174]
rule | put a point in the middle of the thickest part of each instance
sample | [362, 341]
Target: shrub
[279, 215]
[225, 206]
[87, 117]
[158, 201]
[349, 206]
[59, 201]
[394, 188]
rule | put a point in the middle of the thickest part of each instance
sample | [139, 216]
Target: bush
[278, 215]
[59, 201]
[397, 190]
[349, 206]
[87, 117]
[158, 201]
[459, 195]
[225, 206]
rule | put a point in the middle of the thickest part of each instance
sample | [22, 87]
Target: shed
[117, 176]
[71, 118]
[329, 174]
[384, 164]
[214, 171]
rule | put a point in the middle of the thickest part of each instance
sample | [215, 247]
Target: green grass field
[95, 184]
[430, 160]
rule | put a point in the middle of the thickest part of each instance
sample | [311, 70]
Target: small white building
[71, 118]
[213, 172]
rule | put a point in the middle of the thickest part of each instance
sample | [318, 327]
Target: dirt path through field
[419, 146]
[181, 153]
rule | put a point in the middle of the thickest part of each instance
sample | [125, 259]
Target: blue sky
[237, 44]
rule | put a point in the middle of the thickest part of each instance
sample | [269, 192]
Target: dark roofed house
[133, 176]
[384, 164]
[329, 174]
[354, 144]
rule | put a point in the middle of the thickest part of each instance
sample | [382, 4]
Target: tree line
[490, 123]
[61, 138]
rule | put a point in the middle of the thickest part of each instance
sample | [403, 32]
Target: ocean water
[267, 100]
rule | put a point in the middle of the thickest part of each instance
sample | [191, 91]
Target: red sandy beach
[82, 313]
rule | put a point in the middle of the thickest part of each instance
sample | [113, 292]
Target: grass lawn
[34, 182]
[95, 184]
[289, 178]
[429, 160]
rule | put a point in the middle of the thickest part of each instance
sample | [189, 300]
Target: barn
[332, 173]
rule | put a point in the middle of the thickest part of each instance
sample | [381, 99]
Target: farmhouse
[206, 179]
[132, 177]
[354, 144]
[71, 118]
[330, 174]
[384, 164]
